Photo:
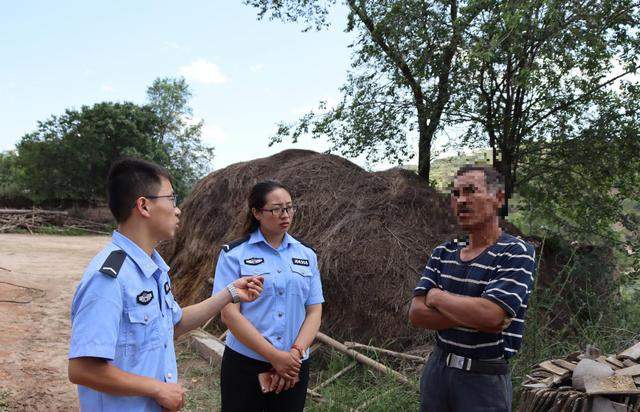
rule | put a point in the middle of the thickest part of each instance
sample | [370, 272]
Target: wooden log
[336, 376]
[631, 353]
[555, 369]
[564, 364]
[629, 371]
[207, 345]
[355, 345]
[610, 385]
[32, 212]
[615, 361]
[628, 362]
[327, 340]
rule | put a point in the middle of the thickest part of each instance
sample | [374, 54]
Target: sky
[246, 75]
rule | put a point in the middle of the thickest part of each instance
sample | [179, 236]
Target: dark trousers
[240, 389]
[444, 389]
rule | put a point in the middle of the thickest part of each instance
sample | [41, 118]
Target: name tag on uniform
[253, 261]
[301, 262]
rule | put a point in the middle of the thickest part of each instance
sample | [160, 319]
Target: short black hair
[128, 179]
[492, 177]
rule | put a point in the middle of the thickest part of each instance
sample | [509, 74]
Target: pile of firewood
[12, 220]
[586, 381]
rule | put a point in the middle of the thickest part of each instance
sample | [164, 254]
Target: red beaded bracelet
[299, 349]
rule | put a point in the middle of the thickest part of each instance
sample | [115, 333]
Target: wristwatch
[235, 298]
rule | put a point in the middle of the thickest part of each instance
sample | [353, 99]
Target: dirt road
[34, 337]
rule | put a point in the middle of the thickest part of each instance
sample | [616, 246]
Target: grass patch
[4, 400]
[199, 379]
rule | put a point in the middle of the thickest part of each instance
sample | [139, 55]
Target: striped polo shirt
[503, 273]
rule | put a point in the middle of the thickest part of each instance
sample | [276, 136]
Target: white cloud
[331, 102]
[257, 68]
[107, 88]
[203, 71]
[171, 45]
[212, 134]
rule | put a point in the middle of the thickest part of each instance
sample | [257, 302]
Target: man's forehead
[473, 177]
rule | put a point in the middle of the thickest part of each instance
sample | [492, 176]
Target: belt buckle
[456, 361]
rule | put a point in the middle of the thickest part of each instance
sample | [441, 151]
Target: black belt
[489, 367]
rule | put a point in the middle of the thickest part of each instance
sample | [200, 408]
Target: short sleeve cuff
[422, 290]
[93, 351]
[314, 300]
[177, 314]
[501, 303]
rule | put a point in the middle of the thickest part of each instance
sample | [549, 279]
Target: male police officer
[124, 316]
[474, 295]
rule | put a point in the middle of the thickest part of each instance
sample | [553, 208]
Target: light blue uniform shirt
[291, 283]
[127, 320]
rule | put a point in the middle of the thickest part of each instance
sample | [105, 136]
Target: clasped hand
[285, 373]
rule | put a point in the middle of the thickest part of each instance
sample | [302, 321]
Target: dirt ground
[34, 337]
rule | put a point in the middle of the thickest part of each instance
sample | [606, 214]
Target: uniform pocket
[143, 333]
[300, 282]
[267, 286]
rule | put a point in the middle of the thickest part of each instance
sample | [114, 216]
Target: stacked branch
[555, 385]
[12, 220]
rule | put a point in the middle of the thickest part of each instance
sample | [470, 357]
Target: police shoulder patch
[145, 297]
[112, 265]
[308, 245]
[227, 247]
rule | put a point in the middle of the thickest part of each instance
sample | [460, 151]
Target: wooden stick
[31, 212]
[355, 345]
[336, 376]
[367, 403]
[224, 334]
[363, 359]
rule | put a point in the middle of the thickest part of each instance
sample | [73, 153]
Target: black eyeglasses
[173, 197]
[279, 211]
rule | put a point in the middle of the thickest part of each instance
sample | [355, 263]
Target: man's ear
[142, 206]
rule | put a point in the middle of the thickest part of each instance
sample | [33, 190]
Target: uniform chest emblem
[167, 288]
[145, 297]
[301, 262]
[253, 261]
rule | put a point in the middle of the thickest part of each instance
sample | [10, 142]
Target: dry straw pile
[373, 233]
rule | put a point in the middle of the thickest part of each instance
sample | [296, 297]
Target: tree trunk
[424, 145]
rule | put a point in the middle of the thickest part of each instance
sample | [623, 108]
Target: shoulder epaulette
[308, 245]
[112, 265]
[227, 247]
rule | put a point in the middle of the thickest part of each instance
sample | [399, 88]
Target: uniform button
[280, 293]
[277, 253]
[279, 270]
[169, 375]
[146, 318]
[278, 338]
[165, 346]
[280, 314]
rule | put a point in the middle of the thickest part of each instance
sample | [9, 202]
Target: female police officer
[274, 332]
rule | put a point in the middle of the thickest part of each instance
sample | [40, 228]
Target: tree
[402, 78]
[189, 158]
[67, 158]
[541, 75]
[543, 83]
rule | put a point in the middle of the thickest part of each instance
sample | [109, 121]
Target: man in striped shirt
[474, 294]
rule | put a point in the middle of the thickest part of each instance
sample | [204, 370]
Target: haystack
[372, 231]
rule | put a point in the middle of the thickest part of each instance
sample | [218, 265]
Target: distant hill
[442, 170]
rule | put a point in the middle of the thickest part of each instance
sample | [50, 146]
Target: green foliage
[188, 158]
[541, 83]
[67, 158]
[10, 174]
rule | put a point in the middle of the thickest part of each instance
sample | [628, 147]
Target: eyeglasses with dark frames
[279, 211]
